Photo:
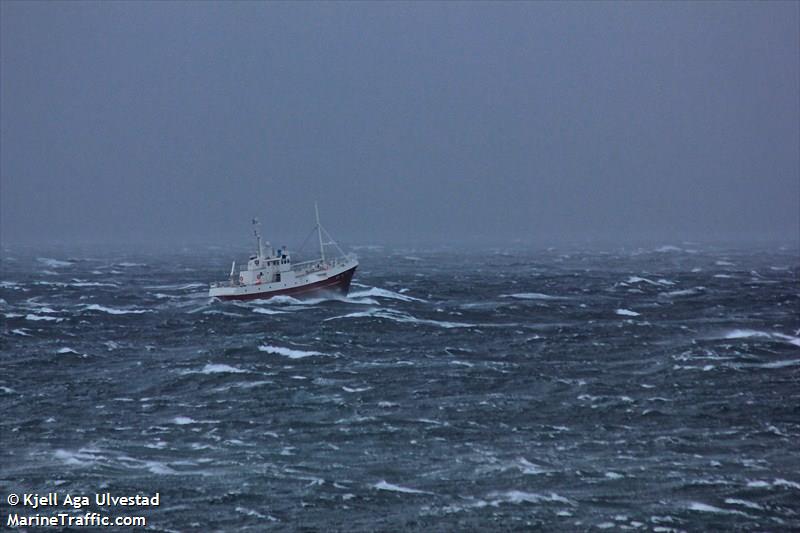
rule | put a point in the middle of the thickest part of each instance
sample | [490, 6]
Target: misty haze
[552, 283]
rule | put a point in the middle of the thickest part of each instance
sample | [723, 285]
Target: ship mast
[257, 233]
[319, 233]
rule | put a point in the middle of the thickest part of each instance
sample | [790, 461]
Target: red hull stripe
[339, 283]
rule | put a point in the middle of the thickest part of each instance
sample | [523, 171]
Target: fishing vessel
[271, 272]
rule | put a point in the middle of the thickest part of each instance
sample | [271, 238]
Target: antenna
[319, 233]
[257, 233]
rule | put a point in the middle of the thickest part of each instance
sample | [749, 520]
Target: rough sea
[647, 389]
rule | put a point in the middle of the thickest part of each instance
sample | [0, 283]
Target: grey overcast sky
[409, 122]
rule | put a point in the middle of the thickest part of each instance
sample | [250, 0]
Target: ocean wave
[627, 312]
[35, 318]
[685, 292]
[287, 352]
[54, 263]
[398, 316]
[705, 508]
[531, 296]
[82, 283]
[263, 311]
[751, 334]
[517, 496]
[115, 311]
[213, 368]
[384, 485]
[177, 286]
[377, 292]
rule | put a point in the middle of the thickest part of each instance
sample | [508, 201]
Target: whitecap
[183, 420]
[80, 458]
[67, 350]
[685, 292]
[21, 332]
[517, 496]
[155, 467]
[177, 286]
[526, 467]
[531, 296]
[399, 316]
[383, 485]
[113, 310]
[637, 279]
[359, 389]
[263, 311]
[786, 483]
[627, 312]
[128, 264]
[744, 503]
[384, 293]
[53, 263]
[749, 333]
[287, 352]
[35, 318]
[221, 369]
[668, 248]
[705, 508]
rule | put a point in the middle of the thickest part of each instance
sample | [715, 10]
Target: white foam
[264, 311]
[526, 467]
[67, 350]
[127, 264]
[749, 333]
[384, 293]
[53, 263]
[399, 316]
[786, 483]
[383, 485]
[705, 508]
[668, 248]
[531, 296]
[743, 503]
[637, 279]
[177, 286]
[359, 389]
[36, 318]
[287, 352]
[114, 311]
[183, 420]
[517, 496]
[780, 364]
[20, 331]
[161, 469]
[221, 369]
[80, 458]
[77, 282]
[627, 312]
[685, 292]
